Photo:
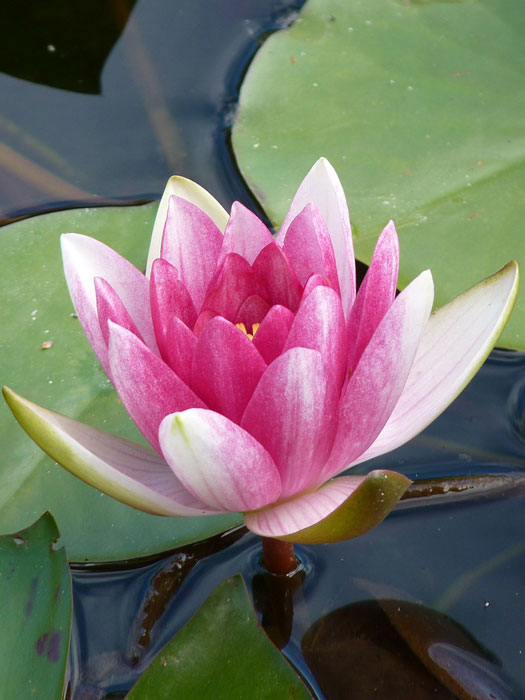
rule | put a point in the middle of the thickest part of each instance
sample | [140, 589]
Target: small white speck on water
[410, 88]
[315, 84]
[349, 29]
[51, 48]
[256, 145]
[487, 604]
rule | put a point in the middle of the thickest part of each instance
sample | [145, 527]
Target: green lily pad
[66, 377]
[35, 589]
[419, 106]
[221, 653]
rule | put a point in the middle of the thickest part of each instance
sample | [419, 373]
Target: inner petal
[235, 282]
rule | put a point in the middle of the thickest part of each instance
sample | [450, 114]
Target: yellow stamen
[242, 327]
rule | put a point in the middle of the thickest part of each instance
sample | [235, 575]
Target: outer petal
[191, 242]
[319, 324]
[147, 387]
[218, 461]
[375, 294]
[376, 385]
[289, 414]
[273, 331]
[309, 247]
[245, 234]
[226, 368]
[322, 187]
[192, 192]
[456, 341]
[86, 258]
[131, 473]
[343, 508]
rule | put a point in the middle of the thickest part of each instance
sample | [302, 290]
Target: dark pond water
[103, 106]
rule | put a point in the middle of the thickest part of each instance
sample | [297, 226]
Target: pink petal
[180, 349]
[191, 243]
[147, 387]
[305, 510]
[168, 297]
[273, 331]
[253, 310]
[375, 294]
[290, 415]
[313, 281]
[202, 320]
[197, 195]
[219, 462]
[322, 187]
[86, 258]
[245, 234]
[111, 308]
[226, 368]
[319, 324]
[235, 282]
[131, 473]
[455, 343]
[278, 278]
[376, 385]
[309, 248]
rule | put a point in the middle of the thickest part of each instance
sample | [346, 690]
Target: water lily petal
[376, 385]
[147, 387]
[277, 277]
[342, 508]
[168, 297]
[86, 258]
[272, 333]
[245, 234]
[253, 309]
[191, 242]
[309, 248]
[315, 280]
[202, 320]
[218, 461]
[232, 285]
[290, 415]
[226, 368]
[131, 473]
[322, 187]
[111, 308]
[189, 190]
[319, 324]
[375, 295]
[180, 348]
[456, 341]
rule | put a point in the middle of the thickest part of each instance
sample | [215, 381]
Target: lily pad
[45, 356]
[221, 653]
[419, 106]
[35, 589]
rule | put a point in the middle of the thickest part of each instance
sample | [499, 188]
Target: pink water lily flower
[253, 368]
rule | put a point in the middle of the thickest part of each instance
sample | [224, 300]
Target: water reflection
[166, 89]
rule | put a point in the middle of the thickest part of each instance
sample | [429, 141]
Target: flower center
[242, 327]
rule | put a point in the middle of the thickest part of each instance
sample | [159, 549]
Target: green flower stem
[278, 557]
